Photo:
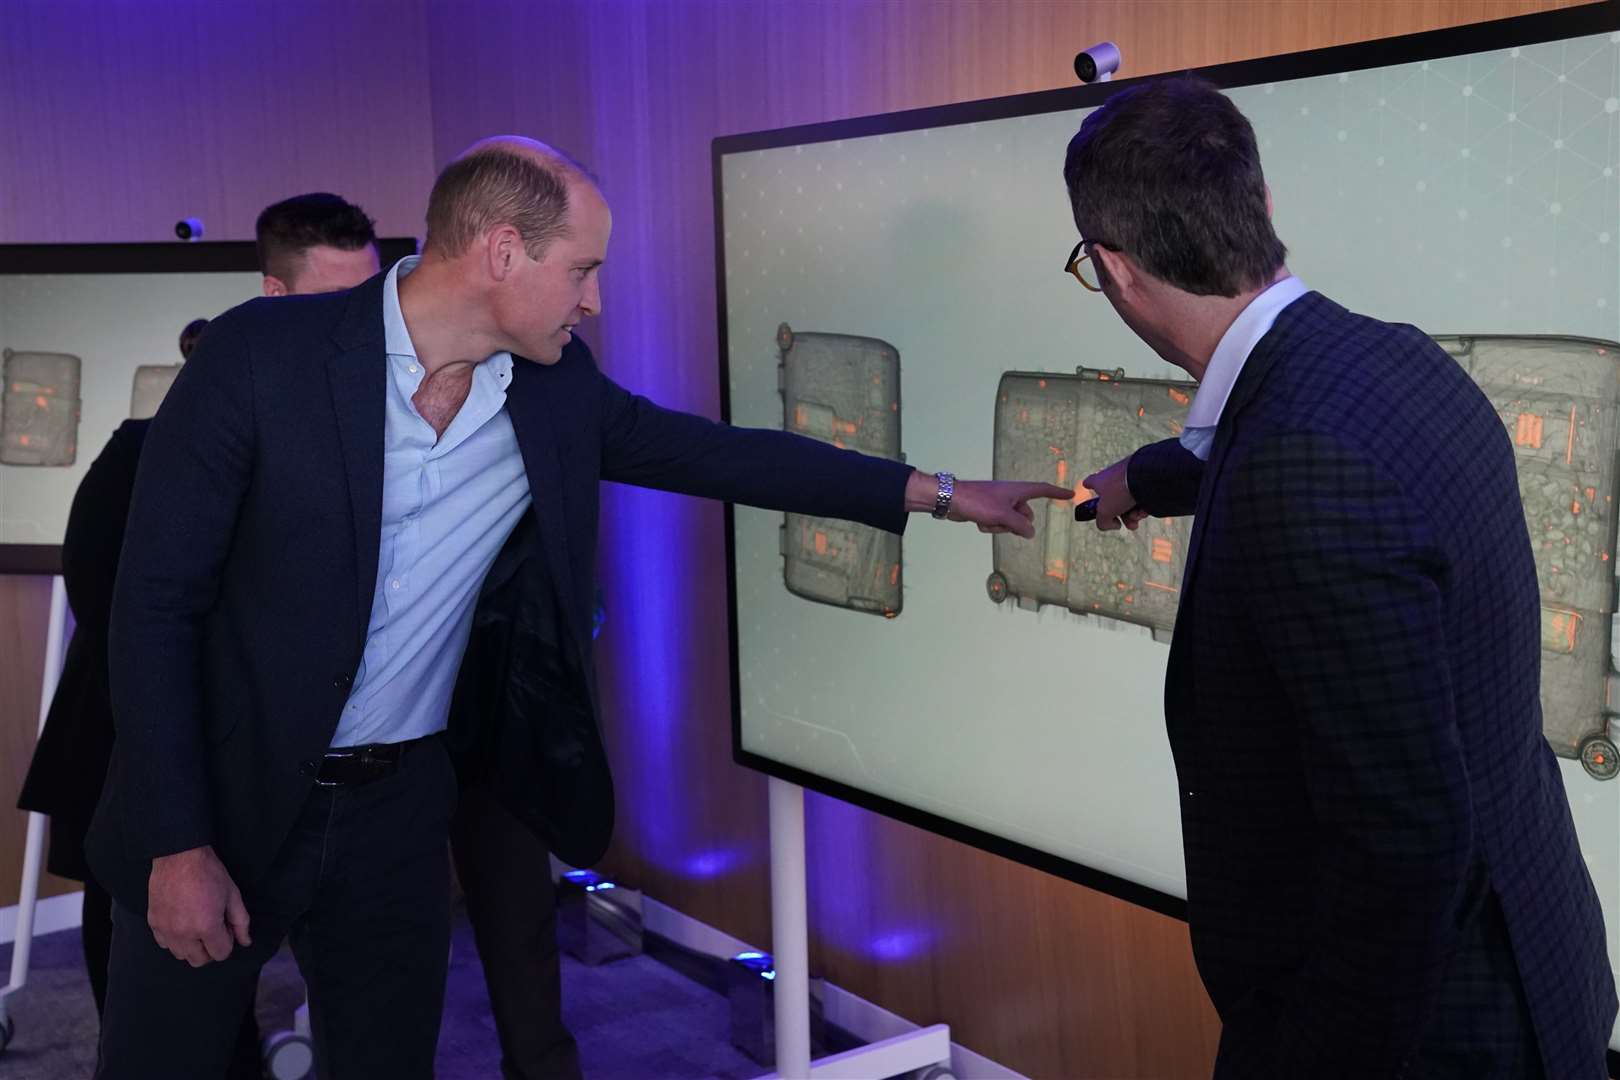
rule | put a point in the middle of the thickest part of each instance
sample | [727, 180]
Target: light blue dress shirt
[1252, 324]
[448, 505]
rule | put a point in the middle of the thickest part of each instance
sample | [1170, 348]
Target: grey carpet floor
[635, 1019]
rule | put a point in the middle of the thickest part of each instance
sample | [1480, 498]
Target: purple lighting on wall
[649, 545]
[709, 864]
[641, 561]
[901, 944]
[849, 903]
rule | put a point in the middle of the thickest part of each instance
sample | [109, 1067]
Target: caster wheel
[1600, 757]
[996, 586]
[288, 1056]
[784, 337]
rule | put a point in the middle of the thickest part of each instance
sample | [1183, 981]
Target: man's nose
[591, 303]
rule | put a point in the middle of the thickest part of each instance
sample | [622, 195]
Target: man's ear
[274, 286]
[1116, 268]
[503, 250]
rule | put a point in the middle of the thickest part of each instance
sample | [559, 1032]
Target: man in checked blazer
[332, 485]
[1382, 873]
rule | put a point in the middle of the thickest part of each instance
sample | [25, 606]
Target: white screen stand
[790, 941]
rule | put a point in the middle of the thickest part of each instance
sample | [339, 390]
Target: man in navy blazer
[328, 488]
[1383, 878]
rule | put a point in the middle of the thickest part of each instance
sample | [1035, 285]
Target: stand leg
[790, 934]
[790, 931]
[34, 849]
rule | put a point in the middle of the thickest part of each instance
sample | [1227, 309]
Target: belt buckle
[373, 761]
[337, 755]
[381, 754]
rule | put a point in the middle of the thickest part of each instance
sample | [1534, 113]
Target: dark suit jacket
[1353, 706]
[70, 763]
[245, 588]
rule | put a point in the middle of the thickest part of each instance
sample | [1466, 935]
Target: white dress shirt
[1252, 324]
[448, 504]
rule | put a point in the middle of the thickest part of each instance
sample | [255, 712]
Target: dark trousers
[95, 934]
[505, 871]
[361, 888]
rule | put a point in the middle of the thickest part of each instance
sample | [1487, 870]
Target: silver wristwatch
[942, 498]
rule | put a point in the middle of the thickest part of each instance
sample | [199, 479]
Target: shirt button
[412, 369]
[394, 584]
[343, 682]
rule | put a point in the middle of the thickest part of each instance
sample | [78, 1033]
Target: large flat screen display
[89, 337]
[894, 284]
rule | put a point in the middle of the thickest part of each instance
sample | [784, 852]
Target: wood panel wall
[116, 119]
[25, 610]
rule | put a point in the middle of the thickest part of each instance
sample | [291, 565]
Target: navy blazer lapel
[357, 375]
[535, 423]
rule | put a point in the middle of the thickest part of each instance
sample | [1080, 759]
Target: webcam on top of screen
[1098, 63]
[190, 228]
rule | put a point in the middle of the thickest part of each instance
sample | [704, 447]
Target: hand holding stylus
[1113, 504]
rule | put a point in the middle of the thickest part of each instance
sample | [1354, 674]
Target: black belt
[349, 766]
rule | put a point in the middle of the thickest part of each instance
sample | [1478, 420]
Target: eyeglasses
[1080, 264]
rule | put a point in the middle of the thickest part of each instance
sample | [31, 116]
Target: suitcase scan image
[1061, 427]
[39, 416]
[843, 390]
[149, 387]
[1559, 398]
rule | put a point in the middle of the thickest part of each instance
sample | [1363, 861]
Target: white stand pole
[34, 851]
[790, 931]
[790, 936]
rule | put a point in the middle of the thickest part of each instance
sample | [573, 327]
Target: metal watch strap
[942, 499]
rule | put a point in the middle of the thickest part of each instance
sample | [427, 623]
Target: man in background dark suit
[330, 484]
[1383, 878]
[314, 243]
[308, 243]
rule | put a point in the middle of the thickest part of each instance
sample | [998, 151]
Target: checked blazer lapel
[1180, 693]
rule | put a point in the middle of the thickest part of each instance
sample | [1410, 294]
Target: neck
[444, 317]
[1196, 324]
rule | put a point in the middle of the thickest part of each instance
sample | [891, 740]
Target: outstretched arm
[647, 445]
[995, 506]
